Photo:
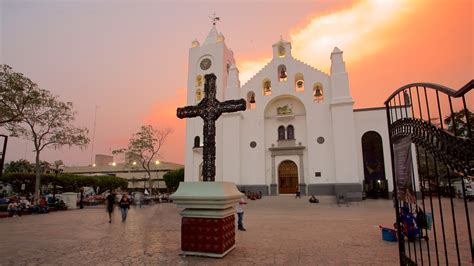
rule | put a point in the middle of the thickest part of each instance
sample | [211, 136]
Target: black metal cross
[209, 109]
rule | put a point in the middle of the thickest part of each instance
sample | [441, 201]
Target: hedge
[68, 182]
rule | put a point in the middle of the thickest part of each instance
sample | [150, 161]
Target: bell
[282, 73]
[318, 93]
[252, 99]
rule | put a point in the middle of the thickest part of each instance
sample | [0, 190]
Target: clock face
[205, 64]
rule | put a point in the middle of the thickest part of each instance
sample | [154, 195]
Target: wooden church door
[287, 177]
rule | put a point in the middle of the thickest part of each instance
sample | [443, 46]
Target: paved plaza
[280, 230]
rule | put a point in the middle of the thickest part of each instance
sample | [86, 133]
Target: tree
[461, 122]
[46, 121]
[145, 146]
[173, 177]
[68, 182]
[20, 166]
[16, 92]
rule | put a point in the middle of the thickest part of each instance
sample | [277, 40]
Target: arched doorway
[375, 183]
[287, 177]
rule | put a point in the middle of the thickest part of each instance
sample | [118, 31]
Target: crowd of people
[19, 205]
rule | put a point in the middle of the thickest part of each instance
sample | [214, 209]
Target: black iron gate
[433, 194]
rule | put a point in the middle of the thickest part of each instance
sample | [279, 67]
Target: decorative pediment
[285, 110]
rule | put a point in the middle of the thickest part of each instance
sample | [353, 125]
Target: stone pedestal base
[208, 223]
[207, 236]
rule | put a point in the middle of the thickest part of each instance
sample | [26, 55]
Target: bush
[68, 182]
[172, 178]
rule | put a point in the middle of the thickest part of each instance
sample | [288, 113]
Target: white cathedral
[300, 131]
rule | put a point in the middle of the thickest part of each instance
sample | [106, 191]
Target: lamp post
[56, 171]
[157, 176]
[2, 154]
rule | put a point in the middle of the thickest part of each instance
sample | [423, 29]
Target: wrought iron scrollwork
[210, 109]
[457, 152]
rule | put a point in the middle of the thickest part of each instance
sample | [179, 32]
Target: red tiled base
[214, 236]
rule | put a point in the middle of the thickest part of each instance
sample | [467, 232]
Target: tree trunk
[38, 176]
[149, 180]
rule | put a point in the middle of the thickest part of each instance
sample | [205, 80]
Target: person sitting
[259, 195]
[298, 194]
[62, 205]
[12, 209]
[313, 199]
[43, 206]
[253, 196]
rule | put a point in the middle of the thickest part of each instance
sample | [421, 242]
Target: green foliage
[20, 166]
[16, 92]
[68, 182]
[41, 117]
[461, 123]
[172, 178]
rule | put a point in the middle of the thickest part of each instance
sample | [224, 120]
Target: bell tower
[212, 56]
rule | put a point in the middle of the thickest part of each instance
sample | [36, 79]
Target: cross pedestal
[208, 223]
[208, 220]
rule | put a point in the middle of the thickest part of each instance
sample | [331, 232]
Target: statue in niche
[285, 110]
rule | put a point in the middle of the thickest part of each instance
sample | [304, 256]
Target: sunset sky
[129, 58]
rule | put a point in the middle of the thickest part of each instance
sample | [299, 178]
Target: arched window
[290, 132]
[267, 87]
[318, 92]
[197, 142]
[251, 100]
[282, 75]
[281, 50]
[375, 184]
[299, 82]
[198, 81]
[281, 133]
[198, 96]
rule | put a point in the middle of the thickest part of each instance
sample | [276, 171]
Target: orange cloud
[163, 115]
[358, 29]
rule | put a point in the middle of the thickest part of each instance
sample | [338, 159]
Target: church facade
[299, 132]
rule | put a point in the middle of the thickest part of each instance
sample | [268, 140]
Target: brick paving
[280, 230]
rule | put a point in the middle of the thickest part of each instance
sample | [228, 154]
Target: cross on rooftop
[214, 19]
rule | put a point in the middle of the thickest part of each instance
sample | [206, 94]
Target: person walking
[240, 215]
[81, 201]
[110, 205]
[124, 206]
[298, 193]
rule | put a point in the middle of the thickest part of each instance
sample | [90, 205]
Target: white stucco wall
[339, 158]
[375, 119]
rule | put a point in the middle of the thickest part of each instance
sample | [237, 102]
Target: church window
[282, 75]
[197, 142]
[318, 93]
[290, 132]
[281, 50]
[253, 144]
[198, 96]
[251, 100]
[267, 87]
[228, 67]
[198, 81]
[320, 140]
[299, 82]
[281, 133]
